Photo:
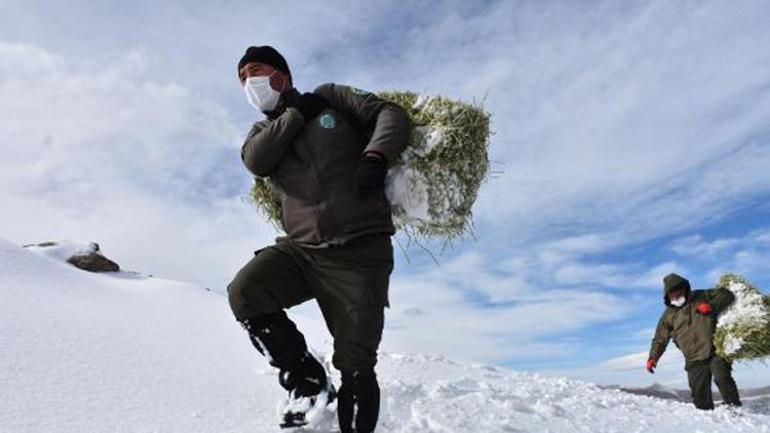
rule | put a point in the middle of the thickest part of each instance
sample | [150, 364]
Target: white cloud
[748, 254]
[627, 362]
[550, 265]
[616, 124]
[696, 245]
[639, 136]
[146, 168]
[643, 120]
[646, 333]
[610, 119]
[435, 310]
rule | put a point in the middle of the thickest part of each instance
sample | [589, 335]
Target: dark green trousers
[349, 283]
[699, 375]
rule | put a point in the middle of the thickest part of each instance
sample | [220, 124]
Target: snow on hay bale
[743, 329]
[433, 186]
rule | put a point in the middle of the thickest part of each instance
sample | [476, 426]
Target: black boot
[358, 406]
[301, 374]
[308, 379]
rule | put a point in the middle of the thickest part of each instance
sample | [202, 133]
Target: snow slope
[82, 352]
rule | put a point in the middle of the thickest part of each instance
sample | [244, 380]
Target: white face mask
[678, 302]
[260, 94]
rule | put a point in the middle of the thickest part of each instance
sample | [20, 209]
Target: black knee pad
[277, 337]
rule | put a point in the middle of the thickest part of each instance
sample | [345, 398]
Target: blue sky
[631, 140]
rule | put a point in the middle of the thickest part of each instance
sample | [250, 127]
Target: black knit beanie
[267, 55]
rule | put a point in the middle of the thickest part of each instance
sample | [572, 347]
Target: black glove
[370, 175]
[310, 105]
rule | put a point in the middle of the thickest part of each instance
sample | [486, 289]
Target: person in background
[690, 319]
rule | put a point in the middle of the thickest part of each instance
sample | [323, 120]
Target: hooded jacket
[692, 332]
[313, 162]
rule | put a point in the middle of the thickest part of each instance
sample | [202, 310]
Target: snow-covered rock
[119, 352]
[83, 255]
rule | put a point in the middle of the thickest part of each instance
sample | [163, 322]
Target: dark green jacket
[692, 332]
[313, 164]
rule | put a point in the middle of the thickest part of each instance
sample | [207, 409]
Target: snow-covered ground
[83, 352]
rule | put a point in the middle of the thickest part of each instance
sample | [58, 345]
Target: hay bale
[743, 329]
[433, 185]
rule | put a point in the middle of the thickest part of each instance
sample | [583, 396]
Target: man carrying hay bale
[690, 319]
[326, 155]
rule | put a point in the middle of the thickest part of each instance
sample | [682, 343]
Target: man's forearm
[657, 350]
[720, 299]
[391, 132]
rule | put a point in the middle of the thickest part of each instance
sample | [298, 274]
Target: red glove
[651, 364]
[705, 308]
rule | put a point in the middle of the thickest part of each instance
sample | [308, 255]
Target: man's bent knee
[248, 299]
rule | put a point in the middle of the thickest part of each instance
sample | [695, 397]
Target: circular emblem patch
[327, 121]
